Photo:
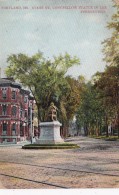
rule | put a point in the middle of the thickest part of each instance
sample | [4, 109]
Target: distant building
[16, 112]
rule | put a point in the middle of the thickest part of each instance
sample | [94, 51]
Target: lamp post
[24, 125]
[31, 126]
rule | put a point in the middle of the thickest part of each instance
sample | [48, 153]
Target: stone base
[50, 133]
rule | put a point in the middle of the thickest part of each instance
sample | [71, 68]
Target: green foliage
[47, 81]
[90, 112]
[108, 81]
[110, 138]
[51, 146]
[99, 99]
[107, 85]
[111, 45]
[69, 100]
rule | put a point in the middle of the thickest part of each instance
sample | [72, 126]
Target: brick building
[16, 112]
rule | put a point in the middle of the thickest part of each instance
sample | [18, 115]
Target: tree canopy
[100, 98]
[47, 81]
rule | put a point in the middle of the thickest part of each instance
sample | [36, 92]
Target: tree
[44, 78]
[90, 111]
[110, 78]
[111, 45]
[107, 85]
[69, 101]
[100, 98]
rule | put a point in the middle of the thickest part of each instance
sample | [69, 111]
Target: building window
[13, 128]
[21, 113]
[4, 110]
[4, 140]
[14, 140]
[13, 95]
[4, 128]
[25, 99]
[4, 93]
[21, 129]
[14, 111]
[25, 113]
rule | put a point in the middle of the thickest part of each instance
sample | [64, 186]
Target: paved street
[94, 165]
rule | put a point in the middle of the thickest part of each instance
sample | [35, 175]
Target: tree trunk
[118, 123]
[86, 130]
[106, 126]
[65, 130]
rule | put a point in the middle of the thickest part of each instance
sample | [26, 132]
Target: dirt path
[94, 165]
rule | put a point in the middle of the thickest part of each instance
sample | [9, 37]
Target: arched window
[13, 94]
[25, 99]
[14, 111]
[4, 93]
[13, 128]
[4, 110]
[4, 129]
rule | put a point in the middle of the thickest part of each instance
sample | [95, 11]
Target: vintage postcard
[59, 101]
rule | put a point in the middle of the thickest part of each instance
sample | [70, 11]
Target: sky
[55, 27]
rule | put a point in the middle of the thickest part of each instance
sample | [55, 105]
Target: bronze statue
[52, 112]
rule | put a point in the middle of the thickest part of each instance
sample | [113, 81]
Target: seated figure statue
[52, 112]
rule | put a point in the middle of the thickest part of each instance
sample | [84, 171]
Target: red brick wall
[10, 103]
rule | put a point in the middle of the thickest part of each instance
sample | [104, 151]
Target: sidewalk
[18, 144]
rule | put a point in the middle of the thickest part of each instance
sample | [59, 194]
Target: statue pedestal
[50, 133]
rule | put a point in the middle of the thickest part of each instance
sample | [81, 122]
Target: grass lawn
[51, 146]
[109, 138]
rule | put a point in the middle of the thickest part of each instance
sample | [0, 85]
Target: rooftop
[9, 82]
